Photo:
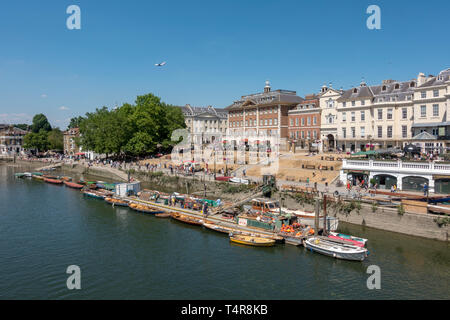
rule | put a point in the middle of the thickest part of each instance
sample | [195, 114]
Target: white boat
[239, 180]
[336, 250]
[359, 242]
[27, 174]
[309, 219]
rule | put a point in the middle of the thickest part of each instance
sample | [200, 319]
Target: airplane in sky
[160, 64]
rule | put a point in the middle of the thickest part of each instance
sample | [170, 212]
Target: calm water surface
[124, 255]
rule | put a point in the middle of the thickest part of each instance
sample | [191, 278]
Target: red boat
[54, 181]
[73, 185]
[223, 178]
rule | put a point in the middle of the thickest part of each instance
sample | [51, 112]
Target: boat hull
[352, 255]
[257, 243]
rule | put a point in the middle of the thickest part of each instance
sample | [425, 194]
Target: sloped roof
[268, 98]
[424, 136]
[440, 79]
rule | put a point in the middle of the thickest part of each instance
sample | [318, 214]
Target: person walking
[425, 189]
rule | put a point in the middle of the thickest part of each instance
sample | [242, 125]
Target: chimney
[421, 79]
[267, 87]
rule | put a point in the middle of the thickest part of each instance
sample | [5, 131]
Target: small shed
[127, 189]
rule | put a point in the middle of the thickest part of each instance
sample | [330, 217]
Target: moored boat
[359, 242]
[187, 219]
[116, 202]
[218, 228]
[38, 177]
[144, 208]
[331, 248]
[28, 174]
[19, 175]
[251, 240]
[162, 215]
[93, 194]
[53, 181]
[73, 185]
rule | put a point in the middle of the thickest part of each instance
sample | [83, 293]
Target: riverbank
[363, 214]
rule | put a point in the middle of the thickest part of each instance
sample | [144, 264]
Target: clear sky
[216, 51]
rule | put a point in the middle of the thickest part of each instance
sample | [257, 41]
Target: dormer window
[383, 88]
[355, 90]
[397, 86]
[412, 84]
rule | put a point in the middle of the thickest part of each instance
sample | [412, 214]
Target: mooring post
[316, 219]
[325, 231]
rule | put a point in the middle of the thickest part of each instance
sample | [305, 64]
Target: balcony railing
[397, 166]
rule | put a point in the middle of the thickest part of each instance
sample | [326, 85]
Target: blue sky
[216, 51]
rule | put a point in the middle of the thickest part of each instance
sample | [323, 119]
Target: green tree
[38, 141]
[55, 139]
[40, 122]
[75, 122]
[22, 126]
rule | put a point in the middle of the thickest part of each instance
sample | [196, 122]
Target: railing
[427, 167]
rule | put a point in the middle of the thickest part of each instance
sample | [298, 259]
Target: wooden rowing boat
[251, 241]
[53, 181]
[187, 219]
[356, 241]
[144, 208]
[162, 215]
[117, 202]
[73, 185]
[93, 194]
[38, 177]
[218, 228]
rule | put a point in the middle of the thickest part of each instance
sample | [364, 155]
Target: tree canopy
[75, 122]
[40, 122]
[131, 129]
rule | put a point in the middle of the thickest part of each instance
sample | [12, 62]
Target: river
[124, 255]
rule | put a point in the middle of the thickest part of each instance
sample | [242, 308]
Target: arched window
[412, 84]
[397, 86]
[383, 88]
[355, 90]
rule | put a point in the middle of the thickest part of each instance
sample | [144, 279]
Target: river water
[124, 255]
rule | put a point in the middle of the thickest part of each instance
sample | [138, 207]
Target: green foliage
[442, 221]
[131, 129]
[37, 141]
[55, 139]
[22, 126]
[230, 188]
[400, 210]
[374, 206]
[40, 122]
[75, 122]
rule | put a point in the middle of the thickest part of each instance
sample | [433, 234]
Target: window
[309, 121]
[434, 132]
[254, 123]
[353, 103]
[389, 114]
[363, 102]
[353, 117]
[291, 121]
[353, 132]
[389, 131]
[404, 113]
[261, 122]
[314, 135]
[380, 114]
[404, 131]
[436, 93]
[435, 110]
[275, 122]
[246, 123]
[423, 111]
[397, 86]
[296, 122]
[380, 132]
[314, 120]
[363, 116]
[423, 94]
[344, 116]
[344, 104]
[383, 88]
[308, 134]
[330, 103]
[344, 133]
[303, 134]
[296, 134]
[265, 122]
[330, 119]
[363, 132]
[412, 84]
[270, 122]
[303, 122]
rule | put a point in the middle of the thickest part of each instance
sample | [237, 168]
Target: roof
[190, 111]
[440, 79]
[430, 124]
[267, 98]
[12, 129]
[424, 136]
[356, 93]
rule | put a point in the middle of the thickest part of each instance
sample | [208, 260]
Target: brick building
[304, 124]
